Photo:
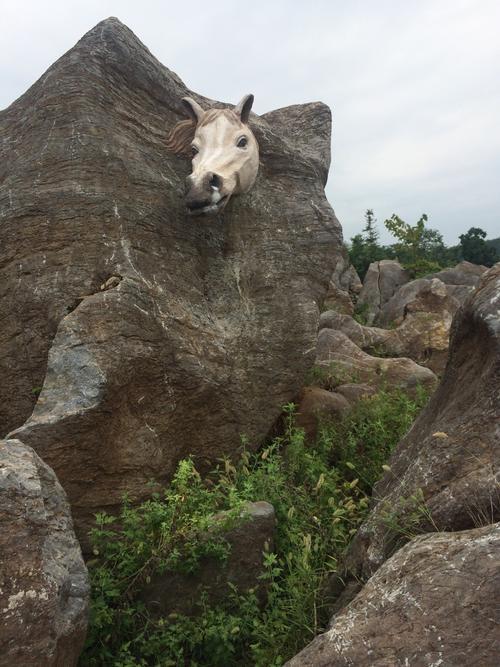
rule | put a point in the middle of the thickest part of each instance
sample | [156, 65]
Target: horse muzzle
[206, 197]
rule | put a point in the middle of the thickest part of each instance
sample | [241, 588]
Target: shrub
[364, 438]
[318, 506]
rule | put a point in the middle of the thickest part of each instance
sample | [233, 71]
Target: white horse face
[225, 155]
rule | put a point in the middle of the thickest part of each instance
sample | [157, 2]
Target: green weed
[320, 495]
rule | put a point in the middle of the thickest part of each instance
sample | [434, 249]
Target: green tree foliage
[419, 249]
[475, 249]
[494, 243]
[365, 247]
[370, 232]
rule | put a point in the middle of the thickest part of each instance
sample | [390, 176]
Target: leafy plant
[364, 438]
[320, 496]
[365, 247]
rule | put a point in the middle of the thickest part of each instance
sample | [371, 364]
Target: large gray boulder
[435, 602]
[382, 280]
[44, 590]
[341, 361]
[464, 273]
[415, 322]
[344, 286]
[422, 336]
[154, 335]
[426, 295]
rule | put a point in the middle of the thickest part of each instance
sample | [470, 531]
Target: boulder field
[421, 577]
[134, 336]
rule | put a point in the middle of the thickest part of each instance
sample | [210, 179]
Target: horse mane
[180, 138]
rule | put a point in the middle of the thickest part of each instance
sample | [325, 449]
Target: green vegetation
[320, 494]
[368, 433]
[494, 243]
[418, 248]
[475, 249]
[365, 247]
[331, 376]
[406, 519]
[361, 314]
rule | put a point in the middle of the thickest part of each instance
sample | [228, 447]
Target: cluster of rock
[404, 342]
[133, 337]
[433, 601]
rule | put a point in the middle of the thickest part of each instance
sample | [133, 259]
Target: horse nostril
[215, 181]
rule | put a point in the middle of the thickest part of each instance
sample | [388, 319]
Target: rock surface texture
[414, 322]
[423, 336]
[464, 273]
[347, 363]
[426, 295]
[44, 589]
[382, 280]
[153, 335]
[435, 602]
[344, 286]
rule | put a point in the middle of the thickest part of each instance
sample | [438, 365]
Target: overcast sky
[414, 85]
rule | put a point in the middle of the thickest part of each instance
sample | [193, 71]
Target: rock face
[154, 335]
[382, 280]
[433, 603]
[347, 363]
[344, 286]
[423, 295]
[464, 273]
[317, 405]
[179, 593]
[445, 472]
[44, 589]
[422, 336]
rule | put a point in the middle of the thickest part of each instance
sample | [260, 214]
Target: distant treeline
[418, 248]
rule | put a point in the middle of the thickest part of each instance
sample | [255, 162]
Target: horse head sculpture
[224, 151]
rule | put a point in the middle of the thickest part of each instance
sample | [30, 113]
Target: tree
[420, 250]
[370, 232]
[410, 238]
[475, 249]
[365, 247]
[434, 249]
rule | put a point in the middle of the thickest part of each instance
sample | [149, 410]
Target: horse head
[224, 152]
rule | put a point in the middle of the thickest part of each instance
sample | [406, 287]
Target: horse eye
[194, 151]
[242, 142]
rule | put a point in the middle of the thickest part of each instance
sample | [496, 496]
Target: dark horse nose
[215, 181]
[200, 194]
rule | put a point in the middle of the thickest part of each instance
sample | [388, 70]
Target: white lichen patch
[19, 598]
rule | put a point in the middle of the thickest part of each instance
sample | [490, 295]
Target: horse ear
[193, 108]
[242, 109]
